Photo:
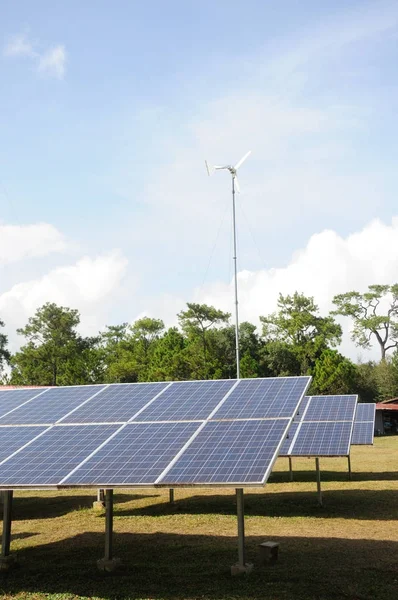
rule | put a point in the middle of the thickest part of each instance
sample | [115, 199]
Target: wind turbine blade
[210, 169]
[237, 186]
[242, 160]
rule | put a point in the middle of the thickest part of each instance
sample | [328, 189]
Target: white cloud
[50, 62]
[19, 242]
[87, 285]
[53, 62]
[328, 265]
[19, 45]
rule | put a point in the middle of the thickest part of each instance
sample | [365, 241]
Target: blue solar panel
[138, 454]
[363, 433]
[117, 403]
[187, 401]
[50, 406]
[264, 398]
[13, 438]
[228, 452]
[54, 455]
[11, 399]
[323, 439]
[331, 408]
[284, 451]
[365, 412]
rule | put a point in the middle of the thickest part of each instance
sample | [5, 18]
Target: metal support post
[241, 527]
[318, 481]
[108, 563]
[108, 524]
[100, 495]
[235, 258]
[7, 519]
[349, 468]
[171, 496]
[290, 468]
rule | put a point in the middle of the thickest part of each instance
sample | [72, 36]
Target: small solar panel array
[322, 427]
[224, 432]
[364, 424]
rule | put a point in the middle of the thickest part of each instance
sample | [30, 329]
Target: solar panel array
[322, 427]
[224, 432]
[364, 424]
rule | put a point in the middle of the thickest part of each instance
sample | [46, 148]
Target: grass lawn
[347, 549]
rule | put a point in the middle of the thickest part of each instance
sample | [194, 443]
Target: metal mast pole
[236, 281]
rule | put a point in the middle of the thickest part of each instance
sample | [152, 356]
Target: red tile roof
[386, 406]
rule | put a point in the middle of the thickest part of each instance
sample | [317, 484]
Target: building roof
[391, 401]
[386, 406]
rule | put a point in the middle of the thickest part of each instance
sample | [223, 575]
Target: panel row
[172, 454]
[154, 402]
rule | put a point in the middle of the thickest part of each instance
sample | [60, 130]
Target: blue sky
[107, 112]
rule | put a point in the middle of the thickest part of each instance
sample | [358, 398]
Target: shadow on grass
[175, 567]
[343, 504]
[310, 475]
[48, 507]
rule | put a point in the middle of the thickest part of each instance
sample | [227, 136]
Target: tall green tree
[169, 361]
[145, 333]
[374, 315]
[4, 353]
[298, 325]
[53, 354]
[334, 374]
[196, 322]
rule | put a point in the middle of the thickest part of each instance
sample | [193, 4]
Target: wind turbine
[235, 185]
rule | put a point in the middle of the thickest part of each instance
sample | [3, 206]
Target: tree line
[294, 340]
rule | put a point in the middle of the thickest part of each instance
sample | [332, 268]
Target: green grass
[346, 550]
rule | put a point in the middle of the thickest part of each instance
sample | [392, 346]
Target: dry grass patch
[347, 549]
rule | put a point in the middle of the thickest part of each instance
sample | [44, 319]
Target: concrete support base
[109, 564]
[268, 552]
[98, 506]
[8, 562]
[238, 569]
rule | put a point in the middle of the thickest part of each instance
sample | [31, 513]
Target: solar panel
[229, 452]
[362, 433]
[187, 401]
[13, 438]
[331, 408]
[323, 439]
[137, 454]
[264, 398]
[117, 403]
[49, 407]
[301, 410]
[53, 455]
[365, 412]
[11, 399]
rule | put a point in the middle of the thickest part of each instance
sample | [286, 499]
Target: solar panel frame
[239, 406]
[307, 437]
[231, 385]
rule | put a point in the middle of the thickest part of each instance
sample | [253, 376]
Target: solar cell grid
[51, 406]
[13, 438]
[331, 408]
[187, 401]
[117, 403]
[362, 433]
[365, 412]
[11, 399]
[137, 454]
[263, 398]
[227, 452]
[53, 455]
[323, 439]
